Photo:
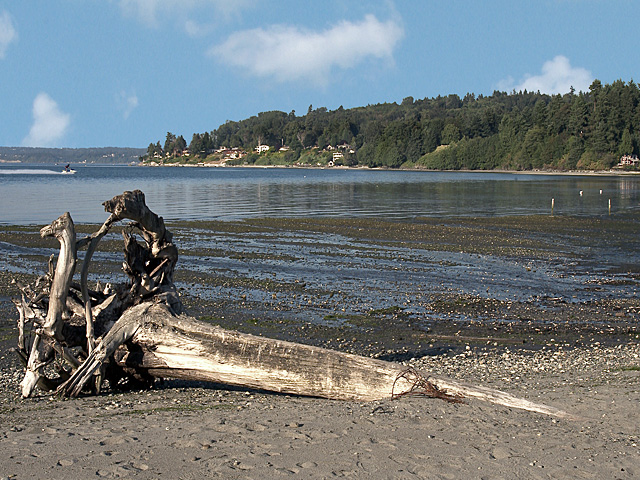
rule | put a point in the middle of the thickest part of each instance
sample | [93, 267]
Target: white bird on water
[580, 192]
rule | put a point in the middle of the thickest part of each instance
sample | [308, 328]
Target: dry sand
[186, 430]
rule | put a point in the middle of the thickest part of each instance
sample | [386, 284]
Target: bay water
[596, 262]
[36, 194]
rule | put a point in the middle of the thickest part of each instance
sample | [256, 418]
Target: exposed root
[422, 386]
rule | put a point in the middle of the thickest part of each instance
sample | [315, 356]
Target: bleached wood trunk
[169, 346]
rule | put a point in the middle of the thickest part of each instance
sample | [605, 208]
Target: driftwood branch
[93, 241]
[144, 332]
[49, 334]
[63, 230]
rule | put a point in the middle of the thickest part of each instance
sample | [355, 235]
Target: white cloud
[50, 124]
[152, 12]
[558, 76]
[127, 103]
[8, 33]
[197, 29]
[288, 53]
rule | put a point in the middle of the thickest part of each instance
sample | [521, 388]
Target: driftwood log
[137, 331]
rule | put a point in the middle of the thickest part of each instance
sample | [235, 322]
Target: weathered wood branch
[93, 241]
[63, 230]
[132, 206]
[51, 329]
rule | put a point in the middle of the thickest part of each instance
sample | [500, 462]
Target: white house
[629, 160]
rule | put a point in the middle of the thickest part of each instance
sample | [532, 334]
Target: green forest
[515, 131]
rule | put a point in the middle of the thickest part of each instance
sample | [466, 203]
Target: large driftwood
[183, 347]
[145, 333]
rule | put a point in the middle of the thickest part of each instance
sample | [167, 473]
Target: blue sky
[95, 73]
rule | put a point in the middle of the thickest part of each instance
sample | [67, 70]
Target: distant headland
[518, 131]
[101, 155]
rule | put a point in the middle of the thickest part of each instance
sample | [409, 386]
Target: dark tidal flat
[390, 289]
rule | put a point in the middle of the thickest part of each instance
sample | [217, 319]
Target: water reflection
[231, 193]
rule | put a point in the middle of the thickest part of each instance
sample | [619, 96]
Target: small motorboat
[68, 170]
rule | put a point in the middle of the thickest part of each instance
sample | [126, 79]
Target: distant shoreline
[356, 168]
[378, 169]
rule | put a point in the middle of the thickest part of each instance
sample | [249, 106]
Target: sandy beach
[188, 431]
[581, 355]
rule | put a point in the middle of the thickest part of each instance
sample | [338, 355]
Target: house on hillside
[262, 148]
[345, 147]
[629, 161]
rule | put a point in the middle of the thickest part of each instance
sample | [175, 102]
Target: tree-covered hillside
[520, 130]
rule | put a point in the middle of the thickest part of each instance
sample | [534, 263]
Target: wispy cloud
[558, 76]
[154, 12]
[8, 33]
[288, 53]
[126, 102]
[50, 124]
[196, 29]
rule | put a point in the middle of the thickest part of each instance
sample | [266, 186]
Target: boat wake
[25, 171]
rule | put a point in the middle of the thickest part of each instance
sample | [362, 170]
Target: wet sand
[523, 305]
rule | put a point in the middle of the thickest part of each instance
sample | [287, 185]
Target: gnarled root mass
[138, 331]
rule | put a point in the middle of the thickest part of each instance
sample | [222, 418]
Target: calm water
[39, 194]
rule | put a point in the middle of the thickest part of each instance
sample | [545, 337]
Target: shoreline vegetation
[518, 131]
[612, 172]
[276, 160]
